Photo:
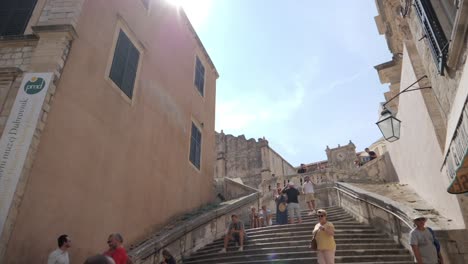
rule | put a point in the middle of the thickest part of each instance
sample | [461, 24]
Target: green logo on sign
[35, 85]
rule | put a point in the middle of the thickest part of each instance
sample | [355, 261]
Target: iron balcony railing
[433, 32]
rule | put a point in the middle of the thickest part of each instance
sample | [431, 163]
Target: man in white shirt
[308, 191]
[423, 243]
[60, 255]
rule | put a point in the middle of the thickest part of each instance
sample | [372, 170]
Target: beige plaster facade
[417, 156]
[101, 162]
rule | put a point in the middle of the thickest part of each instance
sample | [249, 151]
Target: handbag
[313, 243]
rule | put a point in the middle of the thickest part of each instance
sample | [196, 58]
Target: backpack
[436, 242]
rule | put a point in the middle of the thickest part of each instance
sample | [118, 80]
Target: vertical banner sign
[17, 136]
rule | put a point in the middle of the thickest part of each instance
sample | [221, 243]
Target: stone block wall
[379, 170]
[17, 54]
[61, 12]
[254, 162]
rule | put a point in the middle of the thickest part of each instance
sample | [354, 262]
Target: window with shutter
[200, 76]
[195, 146]
[15, 15]
[125, 64]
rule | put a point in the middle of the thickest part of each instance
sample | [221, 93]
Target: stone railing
[395, 219]
[186, 237]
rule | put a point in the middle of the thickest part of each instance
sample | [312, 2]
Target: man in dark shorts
[293, 203]
[236, 231]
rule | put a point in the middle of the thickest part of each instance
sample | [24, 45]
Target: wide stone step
[300, 241]
[303, 245]
[315, 220]
[356, 243]
[308, 232]
[305, 227]
[360, 255]
[354, 237]
[349, 260]
[305, 212]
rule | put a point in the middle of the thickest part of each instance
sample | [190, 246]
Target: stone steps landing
[356, 243]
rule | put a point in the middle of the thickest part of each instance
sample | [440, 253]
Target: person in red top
[116, 250]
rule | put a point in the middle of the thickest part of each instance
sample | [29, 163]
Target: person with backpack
[426, 247]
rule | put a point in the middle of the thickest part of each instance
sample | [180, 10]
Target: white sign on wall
[17, 136]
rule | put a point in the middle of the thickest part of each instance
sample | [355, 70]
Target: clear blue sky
[301, 74]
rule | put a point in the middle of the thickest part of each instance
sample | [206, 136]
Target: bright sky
[301, 74]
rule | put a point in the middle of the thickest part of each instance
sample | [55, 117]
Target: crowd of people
[115, 254]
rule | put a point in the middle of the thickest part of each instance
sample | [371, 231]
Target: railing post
[398, 226]
[339, 197]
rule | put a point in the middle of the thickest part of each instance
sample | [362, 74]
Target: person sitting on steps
[236, 231]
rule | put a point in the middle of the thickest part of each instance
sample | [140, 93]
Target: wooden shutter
[125, 64]
[195, 146]
[199, 76]
[15, 15]
[131, 67]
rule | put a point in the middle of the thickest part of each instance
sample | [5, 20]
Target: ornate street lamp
[388, 124]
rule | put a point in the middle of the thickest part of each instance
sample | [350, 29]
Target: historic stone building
[253, 162]
[106, 110]
[428, 41]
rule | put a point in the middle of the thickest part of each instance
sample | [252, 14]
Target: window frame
[122, 26]
[195, 124]
[203, 92]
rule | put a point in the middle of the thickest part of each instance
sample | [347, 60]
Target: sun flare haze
[197, 11]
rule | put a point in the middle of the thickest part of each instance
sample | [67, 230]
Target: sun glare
[197, 10]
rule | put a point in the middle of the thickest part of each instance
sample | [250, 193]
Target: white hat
[291, 183]
[419, 217]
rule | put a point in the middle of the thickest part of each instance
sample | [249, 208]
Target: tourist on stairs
[426, 247]
[293, 203]
[308, 191]
[168, 258]
[235, 231]
[324, 233]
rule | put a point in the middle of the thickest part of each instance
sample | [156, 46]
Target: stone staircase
[356, 243]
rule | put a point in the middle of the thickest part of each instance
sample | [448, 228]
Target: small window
[124, 64]
[195, 146]
[15, 15]
[200, 76]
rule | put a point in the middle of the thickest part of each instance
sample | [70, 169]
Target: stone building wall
[254, 162]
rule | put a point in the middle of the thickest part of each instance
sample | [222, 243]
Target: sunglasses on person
[321, 215]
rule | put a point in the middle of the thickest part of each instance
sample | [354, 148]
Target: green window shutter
[195, 146]
[125, 64]
[15, 15]
[200, 76]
